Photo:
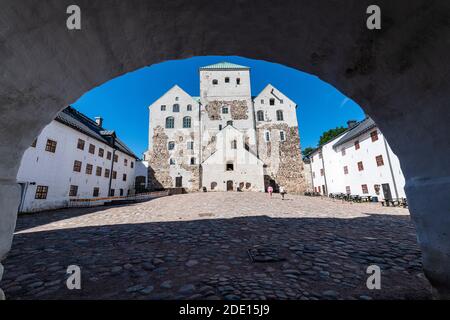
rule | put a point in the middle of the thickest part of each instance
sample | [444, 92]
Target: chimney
[351, 123]
[99, 121]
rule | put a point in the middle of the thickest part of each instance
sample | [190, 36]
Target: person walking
[282, 192]
[270, 191]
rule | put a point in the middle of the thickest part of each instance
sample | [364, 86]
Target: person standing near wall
[282, 192]
[270, 191]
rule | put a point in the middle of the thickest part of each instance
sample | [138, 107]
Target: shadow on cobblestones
[322, 258]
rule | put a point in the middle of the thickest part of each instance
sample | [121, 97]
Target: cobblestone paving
[197, 246]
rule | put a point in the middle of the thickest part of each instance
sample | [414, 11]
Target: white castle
[225, 139]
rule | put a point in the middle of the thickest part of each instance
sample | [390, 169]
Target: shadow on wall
[320, 258]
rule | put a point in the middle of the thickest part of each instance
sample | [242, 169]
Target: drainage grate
[264, 254]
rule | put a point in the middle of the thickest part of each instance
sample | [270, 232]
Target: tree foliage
[306, 151]
[330, 135]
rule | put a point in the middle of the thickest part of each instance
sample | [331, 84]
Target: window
[96, 192]
[189, 107]
[190, 145]
[98, 171]
[186, 122]
[229, 123]
[91, 148]
[132, 164]
[272, 102]
[282, 136]
[233, 144]
[107, 173]
[238, 81]
[34, 143]
[220, 127]
[50, 146]
[73, 191]
[41, 192]
[364, 188]
[172, 162]
[101, 152]
[171, 145]
[345, 170]
[176, 107]
[116, 158]
[343, 152]
[89, 168]
[213, 185]
[170, 122]
[281, 101]
[80, 144]
[262, 101]
[108, 155]
[227, 80]
[322, 172]
[124, 177]
[267, 136]
[348, 190]
[360, 166]
[280, 115]
[125, 162]
[114, 174]
[380, 161]
[374, 136]
[357, 145]
[121, 192]
[229, 166]
[192, 161]
[77, 166]
[112, 192]
[176, 98]
[260, 115]
[225, 110]
[163, 107]
[214, 82]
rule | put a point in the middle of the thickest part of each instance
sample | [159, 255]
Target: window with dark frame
[343, 152]
[34, 143]
[125, 162]
[233, 144]
[357, 145]
[98, 171]
[116, 158]
[282, 136]
[163, 107]
[272, 102]
[225, 110]
[96, 192]
[360, 166]
[80, 144]
[192, 161]
[124, 177]
[260, 115]
[238, 81]
[190, 145]
[132, 164]
[374, 136]
[106, 173]
[348, 190]
[215, 82]
[77, 166]
[229, 166]
[91, 148]
[227, 80]
[121, 192]
[114, 174]
[364, 188]
[108, 155]
[345, 170]
[50, 146]
[89, 168]
[379, 160]
[280, 115]
[170, 123]
[171, 145]
[322, 172]
[112, 192]
[176, 107]
[73, 191]
[41, 192]
[101, 152]
[189, 107]
[186, 122]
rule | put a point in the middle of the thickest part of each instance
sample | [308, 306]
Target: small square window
[227, 80]
[91, 148]
[360, 166]
[101, 152]
[379, 160]
[172, 162]
[374, 136]
[89, 168]
[50, 146]
[365, 189]
[163, 107]
[272, 102]
[73, 191]
[98, 171]
[41, 192]
[77, 166]
[215, 82]
[80, 144]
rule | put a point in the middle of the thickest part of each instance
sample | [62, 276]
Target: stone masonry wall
[159, 176]
[283, 159]
[237, 108]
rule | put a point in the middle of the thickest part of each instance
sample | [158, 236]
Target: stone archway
[398, 74]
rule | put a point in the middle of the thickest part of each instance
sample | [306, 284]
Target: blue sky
[123, 102]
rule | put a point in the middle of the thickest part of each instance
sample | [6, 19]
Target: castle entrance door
[230, 185]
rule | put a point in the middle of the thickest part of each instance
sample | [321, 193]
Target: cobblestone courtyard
[199, 246]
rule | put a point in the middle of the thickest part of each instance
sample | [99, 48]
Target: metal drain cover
[264, 254]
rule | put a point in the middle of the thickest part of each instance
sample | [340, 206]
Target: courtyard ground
[217, 246]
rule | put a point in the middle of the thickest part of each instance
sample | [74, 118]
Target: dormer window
[215, 82]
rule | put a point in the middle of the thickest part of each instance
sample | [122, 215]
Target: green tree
[307, 151]
[330, 135]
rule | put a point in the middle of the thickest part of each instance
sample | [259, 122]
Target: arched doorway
[396, 74]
